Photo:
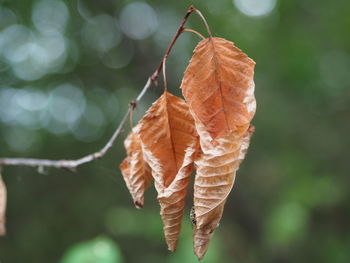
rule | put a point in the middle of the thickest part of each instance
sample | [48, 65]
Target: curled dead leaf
[136, 172]
[216, 170]
[219, 87]
[169, 141]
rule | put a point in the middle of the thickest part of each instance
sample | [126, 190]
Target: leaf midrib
[218, 77]
[170, 133]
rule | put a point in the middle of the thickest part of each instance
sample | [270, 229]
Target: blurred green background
[69, 70]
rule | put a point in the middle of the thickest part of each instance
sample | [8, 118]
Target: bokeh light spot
[91, 125]
[67, 103]
[255, 7]
[119, 57]
[50, 17]
[12, 38]
[20, 140]
[138, 20]
[31, 99]
[102, 33]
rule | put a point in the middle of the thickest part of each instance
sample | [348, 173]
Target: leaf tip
[172, 245]
[138, 204]
[2, 229]
[200, 251]
[201, 242]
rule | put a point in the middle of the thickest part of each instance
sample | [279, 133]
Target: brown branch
[72, 165]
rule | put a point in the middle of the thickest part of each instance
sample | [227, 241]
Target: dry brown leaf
[2, 207]
[136, 172]
[216, 170]
[169, 141]
[219, 87]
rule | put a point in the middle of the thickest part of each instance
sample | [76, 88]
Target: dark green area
[63, 92]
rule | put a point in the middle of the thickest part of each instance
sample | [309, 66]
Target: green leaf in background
[287, 223]
[101, 250]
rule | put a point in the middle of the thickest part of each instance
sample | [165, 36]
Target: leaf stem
[194, 31]
[204, 21]
[164, 73]
[176, 36]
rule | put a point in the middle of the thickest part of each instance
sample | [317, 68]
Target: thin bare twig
[72, 165]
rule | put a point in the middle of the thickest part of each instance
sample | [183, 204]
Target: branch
[72, 165]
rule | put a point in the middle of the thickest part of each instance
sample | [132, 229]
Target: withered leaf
[136, 172]
[169, 140]
[216, 170]
[2, 207]
[219, 87]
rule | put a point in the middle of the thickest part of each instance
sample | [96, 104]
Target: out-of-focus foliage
[100, 250]
[68, 71]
